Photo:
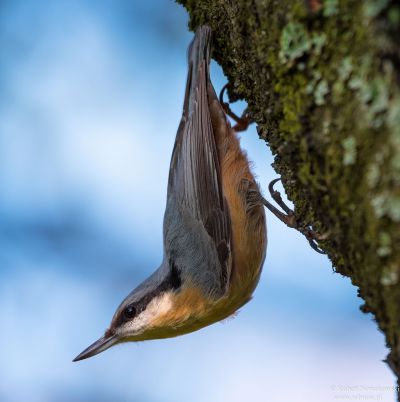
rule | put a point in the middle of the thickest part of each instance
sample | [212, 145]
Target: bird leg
[242, 122]
[290, 219]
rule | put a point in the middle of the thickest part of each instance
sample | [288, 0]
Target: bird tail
[199, 54]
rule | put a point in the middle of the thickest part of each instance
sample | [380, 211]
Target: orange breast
[249, 235]
[247, 215]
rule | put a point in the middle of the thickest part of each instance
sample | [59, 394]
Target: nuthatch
[214, 225]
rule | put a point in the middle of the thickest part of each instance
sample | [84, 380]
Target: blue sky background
[90, 99]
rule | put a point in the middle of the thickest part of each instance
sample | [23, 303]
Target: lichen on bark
[321, 79]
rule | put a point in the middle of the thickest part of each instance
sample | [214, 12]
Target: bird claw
[290, 219]
[242, 122]
[276, 195]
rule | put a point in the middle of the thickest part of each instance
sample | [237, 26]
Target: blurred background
[90, 100]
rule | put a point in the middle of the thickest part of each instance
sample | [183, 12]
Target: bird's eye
[129, 312]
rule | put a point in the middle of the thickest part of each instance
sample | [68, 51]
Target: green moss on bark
[321, 79]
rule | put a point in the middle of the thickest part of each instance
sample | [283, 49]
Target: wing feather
[195, 172]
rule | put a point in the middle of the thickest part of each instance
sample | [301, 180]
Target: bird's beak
[99, 346]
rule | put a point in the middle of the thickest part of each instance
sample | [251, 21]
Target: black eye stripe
[130, 311]
[175, 280]
[171, 282]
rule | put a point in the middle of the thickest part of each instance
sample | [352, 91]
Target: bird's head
[161, 307]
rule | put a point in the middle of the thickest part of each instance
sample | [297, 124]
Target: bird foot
[242, 122]
[290, 219]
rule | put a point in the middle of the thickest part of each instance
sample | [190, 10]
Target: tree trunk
[321, 78]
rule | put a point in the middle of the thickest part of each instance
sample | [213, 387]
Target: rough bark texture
[321, 79]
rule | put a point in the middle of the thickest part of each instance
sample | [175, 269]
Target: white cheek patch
[158, 306]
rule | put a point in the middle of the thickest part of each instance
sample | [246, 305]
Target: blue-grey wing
[197, 223]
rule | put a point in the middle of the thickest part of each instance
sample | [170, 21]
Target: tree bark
[321, 79]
